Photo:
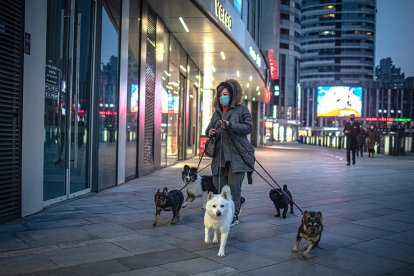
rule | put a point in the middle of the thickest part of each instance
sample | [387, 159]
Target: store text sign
[223, 15]
[255, 56]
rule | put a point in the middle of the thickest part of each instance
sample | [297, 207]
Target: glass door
[67, 98]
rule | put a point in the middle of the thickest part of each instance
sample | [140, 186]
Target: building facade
[388, 74]
[109, 90]
[338, 49]
[285, 128]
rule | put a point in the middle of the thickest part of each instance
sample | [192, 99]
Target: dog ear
[210, 195]
[193, 170]
[165, 190]
[319, 215]
[305, 216]
[186, 167]
[285, 187]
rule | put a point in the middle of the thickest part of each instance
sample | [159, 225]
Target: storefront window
[194, 76]
[165, 101]
[133, 91]
[108, 93]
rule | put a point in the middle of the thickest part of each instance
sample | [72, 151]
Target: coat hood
[236, 93]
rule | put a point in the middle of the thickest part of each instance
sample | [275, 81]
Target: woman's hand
[211, 132]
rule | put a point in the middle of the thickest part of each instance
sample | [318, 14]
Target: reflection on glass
[67, 79]
[133, 91]
[108, 94]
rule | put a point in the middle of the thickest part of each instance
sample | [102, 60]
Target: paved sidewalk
[368, 215]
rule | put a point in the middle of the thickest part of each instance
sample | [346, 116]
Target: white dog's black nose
[218, 213]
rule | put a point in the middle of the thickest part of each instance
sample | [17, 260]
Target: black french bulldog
[281, 200]
[167, 201]
[311, 230]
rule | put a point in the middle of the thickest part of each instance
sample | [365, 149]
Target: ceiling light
[222, 55]
[258, 93]
[257, 88]
[213, 69]
[238, 74]
[184, 25]
[165, 72]
[245, 97]
[250, 78]
[247, 85]
[183, 68]
[253, 99]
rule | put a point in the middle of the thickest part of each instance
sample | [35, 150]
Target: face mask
[372, 127]
[224, 100]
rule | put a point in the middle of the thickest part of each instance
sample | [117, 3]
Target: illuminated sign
[223, 15]
[134, 98]
[267, 95]
[339, 101]
[274, 73]
[387, 119]
[255, 56]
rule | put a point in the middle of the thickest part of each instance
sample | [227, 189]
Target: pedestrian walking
[372, 136]
[352, 130]
[230, 164]
[362, 142]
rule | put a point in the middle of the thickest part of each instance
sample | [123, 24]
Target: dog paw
[278, 215]
[304, 255]
[295, 249]
[284, 216]
[221, 254]
[154, 224]
[206, 241]
[214, 241]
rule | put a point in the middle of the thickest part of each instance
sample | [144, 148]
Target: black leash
[233, 138]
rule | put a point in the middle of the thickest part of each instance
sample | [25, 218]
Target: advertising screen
[134, 98]
[339, 101]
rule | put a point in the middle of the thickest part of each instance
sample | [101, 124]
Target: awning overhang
[211, 47]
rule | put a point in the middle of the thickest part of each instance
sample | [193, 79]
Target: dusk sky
[395, 34]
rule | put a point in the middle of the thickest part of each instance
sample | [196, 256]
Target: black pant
[360, 150]
[348, 154]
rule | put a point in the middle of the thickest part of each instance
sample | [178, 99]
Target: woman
[371, 139]
[232, 122]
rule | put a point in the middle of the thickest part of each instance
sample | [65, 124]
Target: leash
[233, 138]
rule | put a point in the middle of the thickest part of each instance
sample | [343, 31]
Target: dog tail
[226, 192]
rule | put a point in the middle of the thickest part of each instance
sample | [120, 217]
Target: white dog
[218, 216]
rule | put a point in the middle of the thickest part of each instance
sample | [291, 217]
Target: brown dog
[311, 230]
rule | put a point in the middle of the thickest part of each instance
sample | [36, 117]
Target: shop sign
[52, 82]
[274, 73]
[267, 95]
[387, 119]
[223, 15]
[255, 56]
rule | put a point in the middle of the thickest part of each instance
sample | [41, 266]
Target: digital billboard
[339, 101]
[134, 98]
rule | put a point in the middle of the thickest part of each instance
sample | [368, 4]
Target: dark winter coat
[354, 129]
[362, 137]
[371, 138]
[241, 124]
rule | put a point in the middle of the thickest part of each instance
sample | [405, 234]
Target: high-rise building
[338, 47]
[289, 61]
[389, 75]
